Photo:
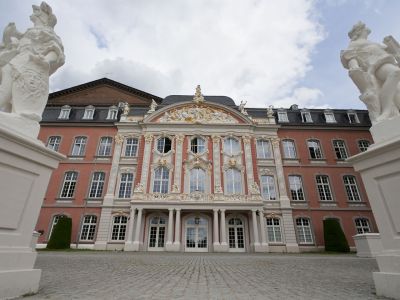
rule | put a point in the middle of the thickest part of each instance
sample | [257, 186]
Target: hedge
[61, 235]
[334, 237]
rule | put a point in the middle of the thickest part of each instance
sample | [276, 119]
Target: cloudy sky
[267, 52]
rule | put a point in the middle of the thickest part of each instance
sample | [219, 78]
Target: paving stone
[124, 275]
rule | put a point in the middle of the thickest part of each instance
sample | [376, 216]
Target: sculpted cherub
[26, 61]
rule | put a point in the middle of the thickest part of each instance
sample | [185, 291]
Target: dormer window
[112, 113]
[329, 116]
[353, 118]
[306, 116]
[89, 113]
[64, 113]
[282, 116]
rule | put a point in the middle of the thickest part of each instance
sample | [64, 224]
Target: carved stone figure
[153, 106]
[126, 109]
[198, 97]
[374, 68]
[26, 61]
[241, 107]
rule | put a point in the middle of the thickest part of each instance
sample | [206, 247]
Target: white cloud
[252, 50]
[303, 97]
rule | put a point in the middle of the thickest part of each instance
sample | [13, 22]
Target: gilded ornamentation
[179, 138]
[197, 113]
[232, 162]
[275, 142]
[175, 188]
[139, 188]
[254, 188]
[246, 140]
[216, 139]
[148, 138]
[119, 139]
[218, 189]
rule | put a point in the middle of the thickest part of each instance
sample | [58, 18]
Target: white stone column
[287, 216]
[217, 164]
[146, 161]
[256, 241]
[103, 231]
[129, 239]
[249, 162]
[177, 242]
[168, 244]
[216, 242]
[224, 244]
[176, 188]
[264, 243]
[136, 241]
[112, 178]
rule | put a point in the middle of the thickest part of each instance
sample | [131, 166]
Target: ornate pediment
[197, 113]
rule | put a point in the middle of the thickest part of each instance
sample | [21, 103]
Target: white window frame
[274, 231]
[64, 112]
[268, 187]
[199, 181]
[362, 225]
[105, 146]
[125, 185]
[79, 146]
[306, 116]
[199, 148]
[88, 228]
[69, 185]
[361, 145]
[316, 150]
[352, 113]
[304, 231]
[131, 147]
[264, 149]
[53, 142]
[161, 184]
[324, 188]
[119, 228]
[232, 185]
[339, 147]
[112, 113]
[289, 152]
[89, 113]
[160, 145]
[351, 187]
[282, 116]
[229, 146]
[97, 184]
[294, 193]
[329, 116]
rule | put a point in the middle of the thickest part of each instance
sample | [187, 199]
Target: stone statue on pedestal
[374, 68]
[26, 62]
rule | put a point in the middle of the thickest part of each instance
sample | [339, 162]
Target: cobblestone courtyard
[116, 275]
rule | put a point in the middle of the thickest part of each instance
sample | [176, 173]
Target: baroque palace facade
[199, 173]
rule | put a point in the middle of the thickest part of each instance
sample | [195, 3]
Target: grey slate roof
[173, 99]
[51, 114]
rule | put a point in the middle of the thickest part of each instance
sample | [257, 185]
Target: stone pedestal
[25, 169]
[380, 170]
[368, 244]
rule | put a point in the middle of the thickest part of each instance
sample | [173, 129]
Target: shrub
[61, 235]
[334, 237]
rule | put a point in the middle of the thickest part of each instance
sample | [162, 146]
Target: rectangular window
[350, 185]
[78, 149]
[89, 113]
[233, 179]
[96, 188]
[64, 112]
[131, 147]
[105, 146]
[264, 149]
[282, 116]
[274, 231]
[289, 149]
[112, 113]
[69, 184]
[340, 149]
[362, 225]
[268, 187]
[363, 145]
[53, 142]
[324, 189]
[88, 228]
[306, 117]
[296, 188]
[314, 147]
[304, 233]
[125, 186]
[329, 117]
[352, 116]
[119, 228]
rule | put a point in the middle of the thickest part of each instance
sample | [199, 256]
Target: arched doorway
[157, 233]
[236, 235]
[196, 235]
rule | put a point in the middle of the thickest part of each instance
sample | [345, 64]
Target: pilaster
[217, 164]
[148, 138]
[176, 188]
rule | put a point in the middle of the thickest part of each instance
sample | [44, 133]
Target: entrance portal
[236, 235]
[196, 235]
[157, 233]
